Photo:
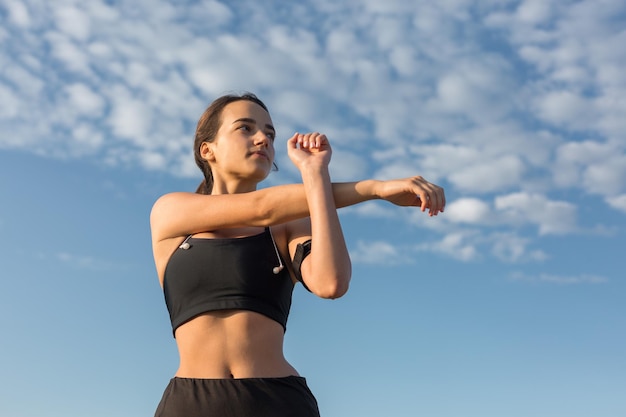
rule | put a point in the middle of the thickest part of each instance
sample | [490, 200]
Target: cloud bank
[515, 106]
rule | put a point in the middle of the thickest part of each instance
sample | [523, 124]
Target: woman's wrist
[370, 189]
[313, 173]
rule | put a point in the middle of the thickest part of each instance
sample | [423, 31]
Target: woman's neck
[232, 187]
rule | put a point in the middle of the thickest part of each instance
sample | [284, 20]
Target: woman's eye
[245, 128]
[271, 135]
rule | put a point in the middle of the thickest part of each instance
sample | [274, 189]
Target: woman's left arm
[327, 270]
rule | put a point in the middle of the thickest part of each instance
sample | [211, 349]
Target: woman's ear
[206, 151]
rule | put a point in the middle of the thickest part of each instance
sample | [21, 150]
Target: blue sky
[508, 305]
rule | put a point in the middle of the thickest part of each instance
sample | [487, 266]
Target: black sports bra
[224, 274]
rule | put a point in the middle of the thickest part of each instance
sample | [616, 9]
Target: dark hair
[207, 129]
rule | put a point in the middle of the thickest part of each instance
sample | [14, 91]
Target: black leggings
[247, 397]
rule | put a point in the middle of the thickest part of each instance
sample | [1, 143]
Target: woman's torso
[228, 343]
[232, 344]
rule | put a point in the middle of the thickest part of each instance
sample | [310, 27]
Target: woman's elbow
[334, 288]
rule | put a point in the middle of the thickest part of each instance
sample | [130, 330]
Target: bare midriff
[232, 344]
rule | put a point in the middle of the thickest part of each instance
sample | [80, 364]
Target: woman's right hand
[413, 191]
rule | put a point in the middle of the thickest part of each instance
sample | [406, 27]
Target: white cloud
[400, 169]
[576, 55]
[214, 10]
[509, 247]
[153, 160]
[18, 13]
[68, 52]
[28, 84]
[72, 21]
[10, 102]
[130, 118]
[477, 88]
[373, 209]
[402, 88]
[468, 210]
[469, 245]
[377, 253]
[404, 60]
[347, 166]
[600, 168]
[618, 202]
[608, 177]
[566, 108]
[552, 217]
[85, 100]
[185, 166]
[534, 11]
[489, 176]
[101, 11]
[84, 262]
[87, 139]
[460, 245]
[572, 157]
[298, 107]
[559, 279]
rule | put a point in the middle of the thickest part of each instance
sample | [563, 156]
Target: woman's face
[244, 146]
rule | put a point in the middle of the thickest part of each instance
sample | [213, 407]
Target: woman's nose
[261, 138]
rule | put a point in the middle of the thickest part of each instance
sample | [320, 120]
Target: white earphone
[185, 245]
[276, 270]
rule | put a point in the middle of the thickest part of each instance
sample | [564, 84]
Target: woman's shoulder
[174, 201]
[173, 196]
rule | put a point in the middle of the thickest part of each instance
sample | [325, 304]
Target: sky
[509, 304]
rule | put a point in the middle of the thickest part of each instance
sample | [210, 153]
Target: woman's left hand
[310, 149]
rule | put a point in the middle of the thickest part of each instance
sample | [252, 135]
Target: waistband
[287, 396]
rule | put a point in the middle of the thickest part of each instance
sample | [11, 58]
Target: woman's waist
[231, 344]
[246, 363]
[220, 369]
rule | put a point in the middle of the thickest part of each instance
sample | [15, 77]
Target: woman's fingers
[312, 140]
[432, 196]
[292, 141]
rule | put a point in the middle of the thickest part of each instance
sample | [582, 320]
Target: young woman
[229, 255]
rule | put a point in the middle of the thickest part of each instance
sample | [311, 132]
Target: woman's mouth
[261, 154]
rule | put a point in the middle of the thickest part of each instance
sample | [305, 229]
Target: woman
[229, 255]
